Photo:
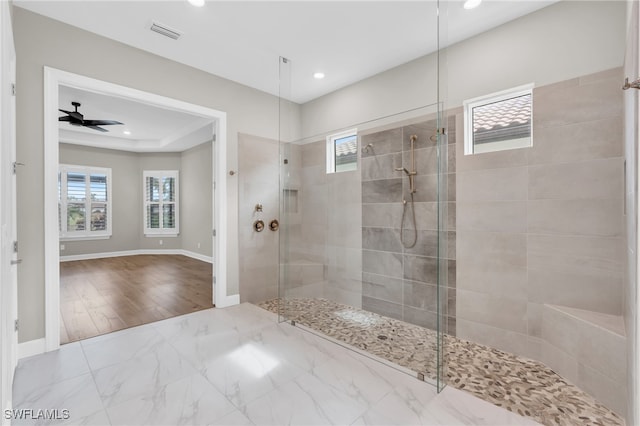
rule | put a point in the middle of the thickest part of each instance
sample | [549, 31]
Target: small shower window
[499, 121]
[342, 151]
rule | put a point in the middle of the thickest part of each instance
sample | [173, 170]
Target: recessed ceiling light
[318, 75]
[126, 132]
[197, 3]
[472, 4]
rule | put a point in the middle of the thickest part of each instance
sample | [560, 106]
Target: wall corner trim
[234, 299]
[104, 255]
[32, 347]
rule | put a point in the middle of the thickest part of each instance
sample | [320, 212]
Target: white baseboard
[32, 347]
[234, 299]
[198, 256]
[103, 255]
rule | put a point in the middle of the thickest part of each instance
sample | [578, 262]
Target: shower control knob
[274, 225]
[258, 226]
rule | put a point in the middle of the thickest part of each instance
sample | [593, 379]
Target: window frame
[331, 150]
[87, 233]
[161, 232]
[470, 104]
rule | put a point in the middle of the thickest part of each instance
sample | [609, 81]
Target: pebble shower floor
[515, 383]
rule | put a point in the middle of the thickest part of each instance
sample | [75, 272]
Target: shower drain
[381, 337]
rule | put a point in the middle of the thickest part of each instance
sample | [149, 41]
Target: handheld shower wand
[412, 190]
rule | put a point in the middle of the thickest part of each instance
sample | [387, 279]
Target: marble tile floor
[516, 383]
[233, 366]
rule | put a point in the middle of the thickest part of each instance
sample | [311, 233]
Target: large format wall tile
[544, 225]
[382, 263]
[385, 215]
[381, 167]
[505, 184]
[421, 317]
[579, 103]
[602, 217]
[494, 310]
[385, 219]
[494, 263]
[424, 131]
[492, 216]
[420, 295]
[382, 287]
[382, 307]
[598, 292]
[381, 239]
[594, 247]
[383, 142]
[421, 268]
[426, 161]
[426, 187]
[589, 140]
[499, 338]
[586, 179]
[382, 191]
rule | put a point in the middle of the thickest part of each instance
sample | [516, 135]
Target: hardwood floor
[99, 296]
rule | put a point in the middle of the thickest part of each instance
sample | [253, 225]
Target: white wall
[196, 191]
[126, 189]
[562, 41]
[195, 168]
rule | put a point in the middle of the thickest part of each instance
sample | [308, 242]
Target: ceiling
[152, 129]
[242, 40]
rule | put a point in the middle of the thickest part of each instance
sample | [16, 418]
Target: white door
[8, 247]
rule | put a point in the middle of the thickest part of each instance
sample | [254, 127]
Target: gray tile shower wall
[258, 170]
[540, 235]
[325, 245]
[402, 282]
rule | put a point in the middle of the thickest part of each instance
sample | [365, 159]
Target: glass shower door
[355, 266]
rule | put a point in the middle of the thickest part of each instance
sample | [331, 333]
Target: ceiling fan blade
[75, 115]
[100, 122]
[65, 118]
[96, 128]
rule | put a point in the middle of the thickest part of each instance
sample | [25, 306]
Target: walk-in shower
[348, 271]
[364, 256]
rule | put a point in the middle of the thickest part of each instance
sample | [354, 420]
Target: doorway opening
[63, 146]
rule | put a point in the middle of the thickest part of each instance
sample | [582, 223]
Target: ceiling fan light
[196, 3]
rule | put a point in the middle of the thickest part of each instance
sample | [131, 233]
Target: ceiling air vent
[165, 31]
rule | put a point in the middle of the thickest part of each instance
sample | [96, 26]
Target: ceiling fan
[76, 119]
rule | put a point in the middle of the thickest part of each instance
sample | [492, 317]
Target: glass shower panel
[367, 238]
[446, 293]
[359, 250]
[285, 117]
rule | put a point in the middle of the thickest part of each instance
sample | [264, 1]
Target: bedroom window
[161, 203]
[84, 202]
[499, 121]
[342, 152]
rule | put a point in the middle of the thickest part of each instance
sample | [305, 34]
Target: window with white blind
[161, 202]
[84, 202]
